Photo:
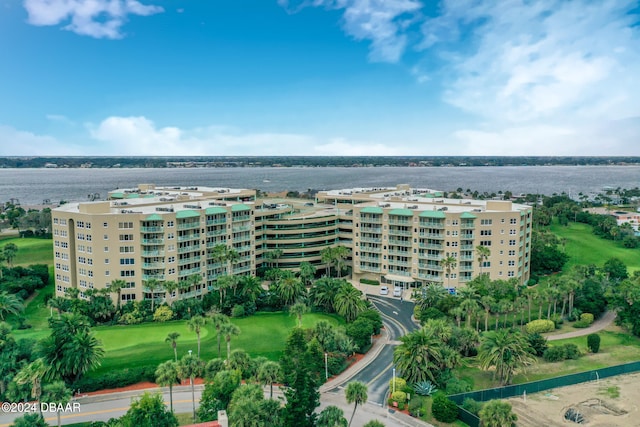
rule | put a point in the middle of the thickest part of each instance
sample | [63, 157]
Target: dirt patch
[591, 404]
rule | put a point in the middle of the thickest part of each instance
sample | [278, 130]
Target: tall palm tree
[224, 283]
[58, 393]
[228, 330]
[117, 286]
[356, 393]
[250, 287]
[348, 302]
[323, 293]
[190, 367]
[32, 374]
[172, 338]
[9, 252]
[418, 355]
[469, 303]
[340, 255]
[449, 263]
[487, 304]
[57, 303]
[299, 309]
[483, 254]
[218, 319]
[268, 373]
[307, 272]
[9, 304]
[290, 289]
[195, 324]
[327, 257]
[167, 375]
[506, 351]
[152, 285]
[169, 287]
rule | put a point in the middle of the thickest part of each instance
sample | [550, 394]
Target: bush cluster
[586, 319]
[561, 352]
[540, 326]
[369, 282]
[116, 378]
[593, 343]
[444, 409]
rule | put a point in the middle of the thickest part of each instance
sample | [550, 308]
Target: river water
[33, 186]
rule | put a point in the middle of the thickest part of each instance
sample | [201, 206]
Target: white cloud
[94, 18]
[522, 61]
[16, 142]
[383, 22]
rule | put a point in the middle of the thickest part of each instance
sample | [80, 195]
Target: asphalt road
[396, 315]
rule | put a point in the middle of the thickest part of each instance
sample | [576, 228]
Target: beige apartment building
[398, 235]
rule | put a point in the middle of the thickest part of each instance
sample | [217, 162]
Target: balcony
[219, 232]
[193, 248]
[216, 221]
[371, 239]
[154, 229]
[153, 277]
[430, 277]
[153, 265]
[189, 271]
[370, 258]
[188, 225]
[188, 237]
[153, 241]
[399, 232]
[399, 222]
[152, 253]
[430, 266]
[431, 245]
[399, 242]
[432, 224]
[190, 260]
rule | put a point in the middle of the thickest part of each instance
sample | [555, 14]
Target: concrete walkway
[603, 322]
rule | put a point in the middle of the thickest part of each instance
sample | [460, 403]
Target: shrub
[456, 385]
[401, 383]
[593, 343]
[538, 344]
[471, 405]
[444, 409]
[571, 351]
[424, 388]
[237, 311]
[581, 324]
[415, 407]
[369, 282]
[399, 396]
[554, 354]
[162, 314]
[557, 321]
[587, 318]
[540, 326]
[132, 318]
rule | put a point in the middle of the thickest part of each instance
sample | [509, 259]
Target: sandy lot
[610, 402]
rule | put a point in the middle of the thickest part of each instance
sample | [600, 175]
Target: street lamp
[393, 383]
[190, 352]
[326, 366]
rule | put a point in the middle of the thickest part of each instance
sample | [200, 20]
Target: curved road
[396, 315]
[607, 318]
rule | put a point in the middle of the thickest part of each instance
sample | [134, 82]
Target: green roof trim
[428, 195]
[215, 210]
[133, 196]
[432, 214]
[401, 212]
[371, 210]
[188, 213]
[240, 207]
[117, 195]
[438, 194]
[153, 217]
[467, 215]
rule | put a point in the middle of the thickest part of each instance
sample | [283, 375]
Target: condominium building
[396, 235]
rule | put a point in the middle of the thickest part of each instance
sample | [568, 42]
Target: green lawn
[263, 334]
[583, 247]
[31, 250]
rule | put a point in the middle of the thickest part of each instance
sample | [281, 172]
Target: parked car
[397, 291]
[384, 290]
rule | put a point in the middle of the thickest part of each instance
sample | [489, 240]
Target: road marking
[385, 369]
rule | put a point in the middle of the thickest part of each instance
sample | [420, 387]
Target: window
[486, 264]
[171, 236]
[126, 237]
[512, 263]
[127, 273]
[485, 232]
[513, 232]
[105, 224]
[511, 274]
[125, 249]
[512, 252]
[80, 224]
[170, 223]
[173, 258]
[127, 261]
[105, 237]
[82, 260]
[89, 237]
[88, 225]
[485, 242]
[454, 244]
[172, 271]
[486, 221]
[89, 249]
[90, 261]
[454, 222]
[513, 221]
[80, 236]
[512, 242]
[454, 233]
[125, 225]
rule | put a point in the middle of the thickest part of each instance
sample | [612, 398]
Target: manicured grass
[31, 250]
[583, 247]
[263, 334]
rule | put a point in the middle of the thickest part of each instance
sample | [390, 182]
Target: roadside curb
[133, 393]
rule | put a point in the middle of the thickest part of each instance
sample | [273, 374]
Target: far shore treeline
[310, 161]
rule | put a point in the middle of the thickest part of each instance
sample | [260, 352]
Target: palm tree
[469, 302]
[506, 351]
[268, 373]
[190, 367]
[218, 319]
[274, 255]
[169, 287]
[9, 304]
[496, 413]
[173, 338]
[529, 294]
[57, 303]
[33, 374]
[340, 254]
[483, 254]
[223, 283]
[327, 258]
[331, 416]
[356, 393]
[307, 272]
[195, 324]
[449, 263]
[418, 355]
[152, 285]
[299, 309]
[82, 353]
[58, 393]
[348, 302]
[167, 375]
[9, 252]
[228, 330]
[290, 290]
[487, 304]
[117, 286]
[250, 287]
[323, 293]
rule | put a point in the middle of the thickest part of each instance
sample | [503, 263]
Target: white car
[384, 290]
[397, 292]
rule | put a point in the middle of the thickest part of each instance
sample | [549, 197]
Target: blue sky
[319, 77]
